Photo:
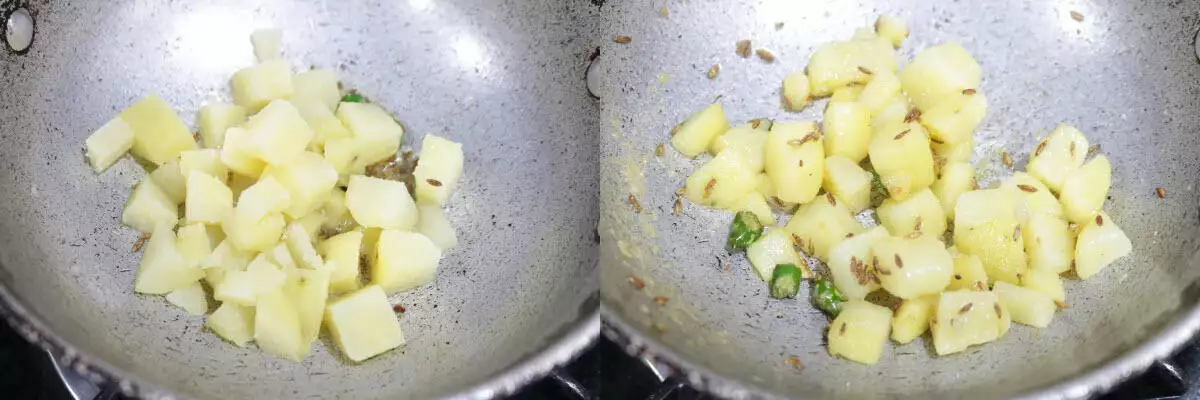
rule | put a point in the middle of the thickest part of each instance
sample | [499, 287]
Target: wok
[507, 304]
[1126, 75]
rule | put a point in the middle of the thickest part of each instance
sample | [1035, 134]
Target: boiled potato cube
[1061, 152]
[319, 85]
[1026, 306]
[342, 155]
[1031, 197]
[773, 248]
[434, 225]
[893, 112]
[1048, 243]
[277, 326]
[308, 291]
[958, 152]
[721, 182]
[693, 135]
[847, 128]
[765, 186]
[233, 323]
[912, 318]
[190, 298]
[892, 28]
[850, 264]
[911, 268]
[985, 225]
[341, 260]
[266, 43]
[162, 268]
[404, 261]
[795, 91]
[819, 225]
[267, 196]
[253, 235]
[902, 159]
[254, 87]
[337, 216]
[208, 199]
[878, 93]
[745, 139]
[966, 318]
[938, 72]
[1085, 189]
[1045, 281]
[216, 118]
[754, 202]
[795, 160]
[300, 245]
[311, 224]
[860, 331]
[957, 178]
[376, 134]
[848, 183]
[149, 206]
[837, 64]
[1100, 243]
[308, 180]
[921, 214]
[223, 258]
[158, 133]
[863, 34]
[170, 178]
[363, 324]
[281, 257]
[193, 244]
[968, 273]
[323, 122]
[847, 93]
[437, 174]
[244, 287]
[380, 203]
[370, 241]
[955, 118]
[207, 161]
[108, 144]
[278, 133]
[235, 154]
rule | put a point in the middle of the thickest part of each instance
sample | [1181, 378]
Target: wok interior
[1126, 76]
[504, 79]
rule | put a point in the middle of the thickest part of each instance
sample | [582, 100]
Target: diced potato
[921, 212]
[108, 144]
[1026, 306]
[850, 264]
[957, 178]
[795, 160]
[235, 154]
[985, 225]
[1100, 243]
[254, 87]
[341, 260]
[1045, 281]
[837, 64]
[169, 177]
[190, 298]
[192, 243]
[773, 248]
[380, 203]
[319, 85]
[437, 174]
[1061, 152]
[954, 153]
[404, 261]
[251, 235]
[300, 245]
[207, 161]
[233, 323]
[216, 118]
[692, 136]
[863, 34]
[281, 257]
[859, 332]
[363, 324]
[162, 268]
[434, 225]
[311, 224]
[847, 128]
[795, 91]
[308, 291]
[1048, 243]
[265, 197]
[158, 133]
[938, 72]
[955, 118]
[765, 186]
[208, 199]
[893, 112]
[847, 94]
[745, 139]
[819, 225]
[337, 216]
[892, 28]
[308, 180]
[149, 206]
[968, 273]
[912, 318]
[341, 154]
[1085, 189]
[323, 122]
[755, 203]
[721, 182]
[1031, 197]
[225, 257]
[376, 134]
[902, 159]
[848, 183]
[277, 326]
[911, 268]
[966, 318]
[244, 287]
[878, 93]
[278, 133]
[370, 241]
[266, 44]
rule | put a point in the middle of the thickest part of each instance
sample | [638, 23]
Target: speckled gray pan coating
[1126, 75]
[504, 78]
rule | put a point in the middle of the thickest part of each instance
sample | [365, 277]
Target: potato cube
[848, 183]
[308, 291]
[323, 122]
[190, 298]
[693, 135]
[938, 72]
[108, 144]
[158, 133]
[233, 323]
[1085, 189]
[235, 154]
[846, 94]
[162, 268]
[1045, 281]
[968, 273]
[225, 257]
[341, 254]
[278, 133]
[878, 93]
[955, 118]
[859, 332]
[244, 287]
[266, 43]
[380, 203]
[892, 28]
[193, 244]
[911, 268]
[795, 91]
[337, 216]
[434, 225]
[1100, 243]
[893, 112]
[837, 64]
[765, 186]
[902, 159]
[207, 161]
[985, 225]
[169, 177]
[721, 182]
[363, 324]
[320, 85]
[795, 160]
[952, 153]
[216, 118]
[1031, 197]
[308, 180]
[403, 261]
[755, 203]
[921, 213]
[966, 318]
[281, 257]
[819, 225]
[254, 87]
[1026, 306]
[745, 139]
[376, 134]
[1061, 152]
[300, 245]
[253, 235]
[265, 197]
[847, 129]
[912, 318]
[437, 174]
[850, 264]
[149, 206]
[957, 178]
[1048, 243]
[863, 34]
[208, 199]
[774, 248]
[277, 326]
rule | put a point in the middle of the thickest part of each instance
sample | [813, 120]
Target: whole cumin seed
[765, 55]
[398, 308]
[678, 208]
[680, 192]
[912, 115]
[622, 39]
[713, 71]
[1038, 151]
[1016, 233]
[801, 141]
[899, 262]
[849, 235]
[842, 330]
[1093, 149]
[801, 163]
[433, 182]
[1071, 149]
[957, 277]
[743, 48]
[662, 301]
[1099, 220]
[901, 134]
[141, 241]
[1006, 159]
[865, 70]
[829, 197]
[712, 183]
[968, 91]
[966, 308]
[659, 150]
[936, 140]
[794, 361]
[996, 306]
[637, 283]
[633, 202]
[1075, 15]
[1027, 188]
[1160, 192]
